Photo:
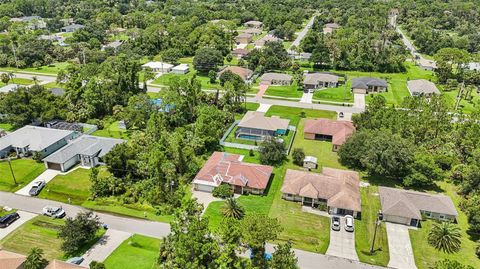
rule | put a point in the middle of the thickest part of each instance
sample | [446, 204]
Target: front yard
[289, 91]
[25, 170]
[137, 252]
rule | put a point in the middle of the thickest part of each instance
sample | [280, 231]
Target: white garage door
[205, 188]
[397, 219]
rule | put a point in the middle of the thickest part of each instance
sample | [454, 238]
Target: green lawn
[51, 85]
[167, 80]
[248, 106]
[52, 69]
[21, 81]
[338, 94]
[293, 113]
[290, 91]
[426, 255]
[25, 170]
[41, 232]
[8, 127]
[137, 252]
[113, 130]
[365, 228]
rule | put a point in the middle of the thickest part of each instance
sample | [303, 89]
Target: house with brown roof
[244, 73]
[226, 168]
[253, 24]
[56, 264]
[313, 81]
[422, 87]
[276, 79]
[335, 191]
[243, 38]
[253, 31]
[328, 130]
[410, 207]
[268, 38]
[240, 53]
[255, 126]
[11, 260]
[330, 28]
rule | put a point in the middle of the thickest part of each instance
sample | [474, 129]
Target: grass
[365, 228]
[8, 127]
[337, 94]
[293, 113]
[290, 91]
[167, 80]
[25, 170]
[113, 130]
[52, 69]
[248, 106]
[21, 81]
[54, 84]
[425, 255]
[137, 252]
[41, 232]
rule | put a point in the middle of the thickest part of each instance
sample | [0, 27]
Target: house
[335, 191]
[63, 125]
[422, 87]
[276, 79]
[409, 207]
[253, 31]
[240, 53]
[226, 168]
[11, 260]
[368, 85]
[86, 149]
[32, 22]
[244, 73]
[30, 139]
[56, 264]
[243, 38]
[255, 126]
[302, 56]
[473, 66]
[115, 45]
[313, 81]
[9, 87]
[426, 64]
[330, 28]
[335, 131]
[71, 28]
[159, 67]
[57, 91]
[253, 24]
[181, 69]
[310, 162]
[268, 38]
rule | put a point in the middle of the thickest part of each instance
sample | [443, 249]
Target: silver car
[54, 212]
[349, 223]
[36, 188]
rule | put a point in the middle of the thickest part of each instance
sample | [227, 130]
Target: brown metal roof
[257, 120]
[244, 73]
[339, 130]
[11, 260]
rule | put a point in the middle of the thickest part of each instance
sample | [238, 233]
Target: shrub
[222, 191]
[298, 156]
[272, 151]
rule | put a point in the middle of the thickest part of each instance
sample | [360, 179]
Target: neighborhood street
[43, 78]
[301, 35]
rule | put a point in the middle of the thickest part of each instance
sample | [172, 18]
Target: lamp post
[377, 223]
[11, 170]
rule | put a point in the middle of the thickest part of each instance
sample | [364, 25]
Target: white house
[181, 69]
[159, 67]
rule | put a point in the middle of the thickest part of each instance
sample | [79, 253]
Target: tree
[212, 75]
[223, 191]
[78, 231]
[445, 237]
[96, 265]
[35, 259]
[232, 209]
[5, 78]
[284, 257]
[272, 151]
[207, 59]
[298, 156]
[229, 57]
[230, 233]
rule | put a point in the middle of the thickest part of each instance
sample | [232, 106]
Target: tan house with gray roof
[409, 207]
[312, 81]
[422, 87]
[255, 126]
[276, 79]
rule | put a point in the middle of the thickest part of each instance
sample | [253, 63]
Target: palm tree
[35, 259]
[35, 80]
[232, 209]
[445, 237]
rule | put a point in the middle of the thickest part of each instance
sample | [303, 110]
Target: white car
[349, 223]
[53, 211]
[36, 187]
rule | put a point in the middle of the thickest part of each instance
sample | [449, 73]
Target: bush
[78, 231]
[272, 151]
[37, 156]
[223, 191]
[298, 156]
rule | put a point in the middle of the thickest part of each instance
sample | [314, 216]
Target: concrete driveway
[24, 217]
[47, 175]
[105, 246]
[307, 97]
[359, 100]
[264, 108]
[401, 253]
[342, 243]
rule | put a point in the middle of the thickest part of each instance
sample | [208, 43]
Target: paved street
[301, 34]
[24, 217]
[342, 243]
[45, 78]
[278, 102]
[400, 247]
[105, 246]
[47, 175]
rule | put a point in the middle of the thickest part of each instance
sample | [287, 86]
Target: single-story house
[337, 191]
[302, 56]
[422, 87]
[244, 73]
[330, 27]
[253, 24]
[313, 81]
[473, 66]
[11, 260]
[226, 168]
[57, 91]
[71, 28]
[115, 45]
[181, 69]
[9, 88]
[276, 79]
[426, 64]
[409, 207]
[268, 38]
[64, 125]
[159, 67]
[336, 131]
[255, 126]
[56, 264]
[240, 53]
[243, 38]
[35, 139]
[253, 31]
[86, 149]
[33, 22]
[310, 162]
[368, 85]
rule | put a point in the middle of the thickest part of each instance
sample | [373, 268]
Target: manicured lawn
[41, 232]
[465, 106]
[293, 113]
[167, 80]
[53, 85]
[113, 130]
[426, 255]
[6, 127]
[21, 81]
[137, 252]
[52, 69]
[249, 106]
[291, 91]
[365, 228]
[25, 170]
[338, 94]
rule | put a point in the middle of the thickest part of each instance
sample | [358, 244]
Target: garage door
[205, 188]
[397, 219]
[55, 166]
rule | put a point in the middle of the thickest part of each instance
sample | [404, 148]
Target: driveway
[342, 243]
[47, 175]
[307, 97]
[261, 90]
[105, 246]
[359, 100]
[401, 253]
[204, 198]
[263, 108]
[24, 217]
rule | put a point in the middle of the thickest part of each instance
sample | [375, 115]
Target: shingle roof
[253, 31]
[332, 25]
[257, 120]
[275, 76]
[339, 130]
[73, 26]
[11, 260]
[84, 145]
[422, 86]
[265, 39]
[240, 51]
[56, 264]
[256, 23]
[37, 138]
[228, 168]
[365, 82]
[244, 35]
[427, 63]
[244, 73]
[341, 188]
[315, 78]
[408, 204]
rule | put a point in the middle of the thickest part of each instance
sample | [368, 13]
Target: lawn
[21, 81]
[426, 255]
[25, 170]
[248, 106]
[54, 84]
[52, 69]
[8, 127]
[137, 252]
[41, 232]
[293, 113]
[113, 130]
[167, 80]
[338, 94]
[290, 91]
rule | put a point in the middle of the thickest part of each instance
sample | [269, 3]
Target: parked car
[75, 260]
[349, 223]
[8, 219]
[336, 223]
[53, 211]
[37, 187]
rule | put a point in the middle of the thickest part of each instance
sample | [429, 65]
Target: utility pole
[14, 55]
[459, 95]
[11, 170]
[377, 223]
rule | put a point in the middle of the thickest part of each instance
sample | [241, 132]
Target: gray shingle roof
[422, 86]
[275, 76]
[365, 82]
[37, 138]
[315, 78]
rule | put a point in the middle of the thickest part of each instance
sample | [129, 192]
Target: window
[428, 214]
[441, 217]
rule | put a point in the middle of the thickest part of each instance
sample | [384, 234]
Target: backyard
[113, 130]
[141, 249]
[294, 113]
[167, 80]
[25, 170]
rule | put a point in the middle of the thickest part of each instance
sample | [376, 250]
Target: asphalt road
[301, 34]
[30, 76]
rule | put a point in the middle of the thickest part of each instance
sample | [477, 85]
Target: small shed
[310, 162]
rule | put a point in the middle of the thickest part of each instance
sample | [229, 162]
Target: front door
[414, 222]
[237, 189]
